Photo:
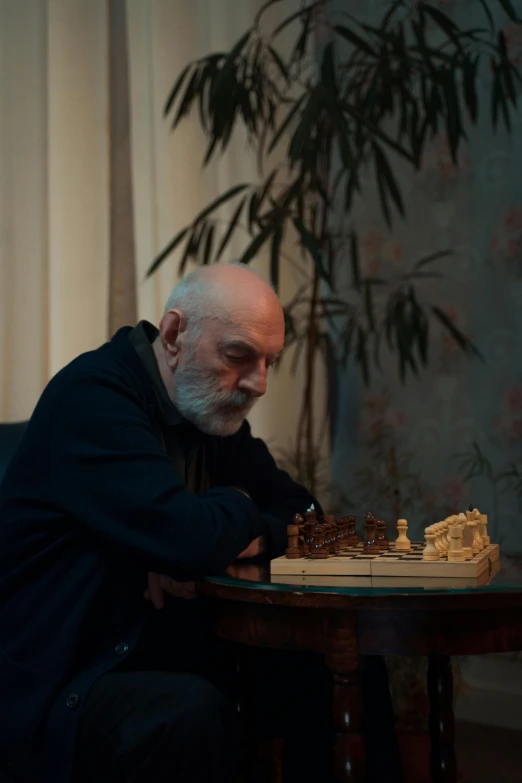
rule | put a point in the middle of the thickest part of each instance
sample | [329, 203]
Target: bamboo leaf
[172, 245]
[362, 356]
[188, 98]
[469, 76]
[495, 97]
[462, 341]
[368, 302]
[489, 15]
[376, 131]
[229, 194]
[432, 257]
[510, 11]
[453, 121]
[264, 8]
[207, 251]
[175, 90]
[266, 187]
[309, 241]
[359, 43]
[286, 122]
[252, 210]
[231, 227]
[283, 70]
[274, 258]
[256, 244]
[384, 169]
[444, 22]
[289, 20]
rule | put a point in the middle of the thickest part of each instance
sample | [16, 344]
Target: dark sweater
[90, 503]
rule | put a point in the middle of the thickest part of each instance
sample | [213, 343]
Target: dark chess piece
[294, 550]
[380, 536]
[353, 538]
[330, 540]
[339, 534]
[370, 545]
[318, 550]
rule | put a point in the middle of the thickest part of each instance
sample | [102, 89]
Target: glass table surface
[505, 576]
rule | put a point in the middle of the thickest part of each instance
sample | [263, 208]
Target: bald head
[229, 293]
[223, 327]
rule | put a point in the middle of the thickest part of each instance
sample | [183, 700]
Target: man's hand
[159, 584]
[256, 547]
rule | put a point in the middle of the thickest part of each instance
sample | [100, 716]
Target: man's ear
[172, 327]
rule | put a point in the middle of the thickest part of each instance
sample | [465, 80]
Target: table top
[252, 581]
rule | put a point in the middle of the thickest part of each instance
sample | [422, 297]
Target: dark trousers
[168, 713]
[144, 727]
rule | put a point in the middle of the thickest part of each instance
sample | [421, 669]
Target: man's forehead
[257, 340]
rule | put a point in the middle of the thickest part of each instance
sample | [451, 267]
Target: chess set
[458, 546]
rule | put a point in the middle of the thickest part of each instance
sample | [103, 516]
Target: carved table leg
[441, 720]
[342, 658]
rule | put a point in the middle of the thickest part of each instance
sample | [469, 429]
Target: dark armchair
[10, 436]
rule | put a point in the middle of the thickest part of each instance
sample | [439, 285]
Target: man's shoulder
[113, 365]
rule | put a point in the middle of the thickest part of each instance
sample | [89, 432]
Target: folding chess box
[355, 562]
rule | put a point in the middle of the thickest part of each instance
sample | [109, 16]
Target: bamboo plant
[345, 101]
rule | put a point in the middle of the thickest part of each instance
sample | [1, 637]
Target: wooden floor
[488, 754]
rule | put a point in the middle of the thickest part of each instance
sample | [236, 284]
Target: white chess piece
[403, 543]
[475, 543]
[478, 530]
[440, 537]
[484, 531]
[430, 552]
[456, 553]
[467, 536]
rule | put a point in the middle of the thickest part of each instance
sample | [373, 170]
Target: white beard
[201, 401]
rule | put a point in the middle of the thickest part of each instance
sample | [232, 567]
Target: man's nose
[254, 382]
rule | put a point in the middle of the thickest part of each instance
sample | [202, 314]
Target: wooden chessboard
[354, 562]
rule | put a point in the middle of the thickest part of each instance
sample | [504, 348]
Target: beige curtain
[54, 198]
[77, 176]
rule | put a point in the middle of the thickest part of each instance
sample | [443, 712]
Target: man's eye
[232, 358]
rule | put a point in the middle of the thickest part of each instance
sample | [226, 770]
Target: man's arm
[249, 465]
[110, 475]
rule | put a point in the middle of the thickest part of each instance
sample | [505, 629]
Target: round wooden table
[344, 620]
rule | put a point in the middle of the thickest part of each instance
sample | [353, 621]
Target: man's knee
[204, 706]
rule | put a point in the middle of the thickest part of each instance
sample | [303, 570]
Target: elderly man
[137, 474]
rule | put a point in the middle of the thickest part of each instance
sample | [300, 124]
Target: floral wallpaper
[453, 437]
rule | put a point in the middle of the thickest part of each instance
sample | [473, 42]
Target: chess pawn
[443, 537]
[293, 552]
[353, 538]
[451, 521]
[330, 538]
[318, 551]
[308, 535]
[340, 538]
[484, 529]
[370, 544]
[436, 529]
[455, 554]
[467, 536]
[403, 543]
[381, 539]
[430, 552]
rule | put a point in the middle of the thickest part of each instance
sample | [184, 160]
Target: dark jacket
[90, 503]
